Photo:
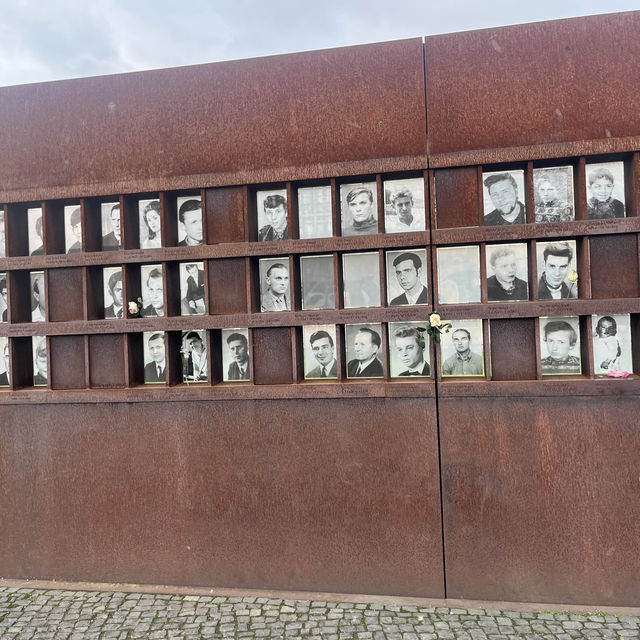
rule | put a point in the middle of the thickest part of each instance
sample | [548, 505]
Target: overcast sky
[58, 39]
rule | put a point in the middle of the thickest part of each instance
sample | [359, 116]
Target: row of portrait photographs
[404, 210]
[553, 191]
[462, 351]
[235, 356]
[507, 272]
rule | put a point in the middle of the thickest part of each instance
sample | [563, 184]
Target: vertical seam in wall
[433, 303]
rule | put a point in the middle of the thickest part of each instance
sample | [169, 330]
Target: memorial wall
[221, 364]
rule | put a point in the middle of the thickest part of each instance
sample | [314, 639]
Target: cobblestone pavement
[79, 615]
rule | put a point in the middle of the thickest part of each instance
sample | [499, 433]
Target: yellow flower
[573, 276]
[434, 320]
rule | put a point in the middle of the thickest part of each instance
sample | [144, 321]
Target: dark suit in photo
[151, 373]
[372, 370]
[402, 298]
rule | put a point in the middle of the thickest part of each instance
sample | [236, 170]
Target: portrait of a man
[502, 204]
[555, 263]
[152, 291]
[406, 279]
[272, 216]
[38, 296]
[34, 219]
[505, 262]
[462, 349]
[154, 357]
[404, 205]
[113, 307]
[111, 239]
[194, 356]
[235, 346]
[274, 285]
[192, 288]
[363, 351]
[409, 349]
[359, 209]
[190, 219]
[322, 362]
[553, 194]
[73, 229]
[605, 191]
[40, 367]
[560, 347]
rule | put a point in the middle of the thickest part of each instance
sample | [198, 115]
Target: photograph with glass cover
[409, 350]
[462, 349]
[273, 217]
[274, 284]
[319, 348]
[194, 356]
[407, 277]
[361, 280]
[364, 350]
[236, 355]
[154, 357]
[458, 274]
[560, 345]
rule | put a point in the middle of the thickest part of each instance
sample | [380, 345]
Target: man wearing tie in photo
[323, 351]
[111, 242]
[239, 347]
[154, 371]
[366, 346]
[115, 289]
[409, 346]
[275, 297]
[408, 267]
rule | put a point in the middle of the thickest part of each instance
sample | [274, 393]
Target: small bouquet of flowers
[437, 327]
[134, 307]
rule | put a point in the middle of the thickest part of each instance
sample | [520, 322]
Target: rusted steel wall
[341, 111]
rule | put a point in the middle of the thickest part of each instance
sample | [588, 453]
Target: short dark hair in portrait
[275, 297]
[324, 358]
[411, 355]
[417, 262]
[366, 347]
[360, 205]
[560, 337]
[155, 294]
[155, 370]
[463, 361]
[75, 221]
[408, 271]
[503, 191]
[192, 224]
[601, 204]
[111, 240]
[239, 347]
[189, 205]
[318, 335]
[115, 309]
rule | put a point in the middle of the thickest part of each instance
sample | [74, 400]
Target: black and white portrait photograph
[111, 224]
[407, 277]
[5, 376]
[73, 229]
[236, 355]
[314, 212]
[361, 280]
[4, 303]
[40, 367]
[560, 346]
[192, 288]
[503, 193]
[462, 349]
[275, 288]
[189, 221]
[557, 275]
[553, 194]
[409, 350]
[152, 288]
[3, 250]
[317, 277]
[38, 293]
[458, 274]
[273, 218]
[359, 209]
[319, 348]
[605, 190]
[154, 357]
[404, 205]
[194, 356]
[364, 350]
[150, 224]
[112, 287]
[612, 343]
[34, 231]
[507, 272]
